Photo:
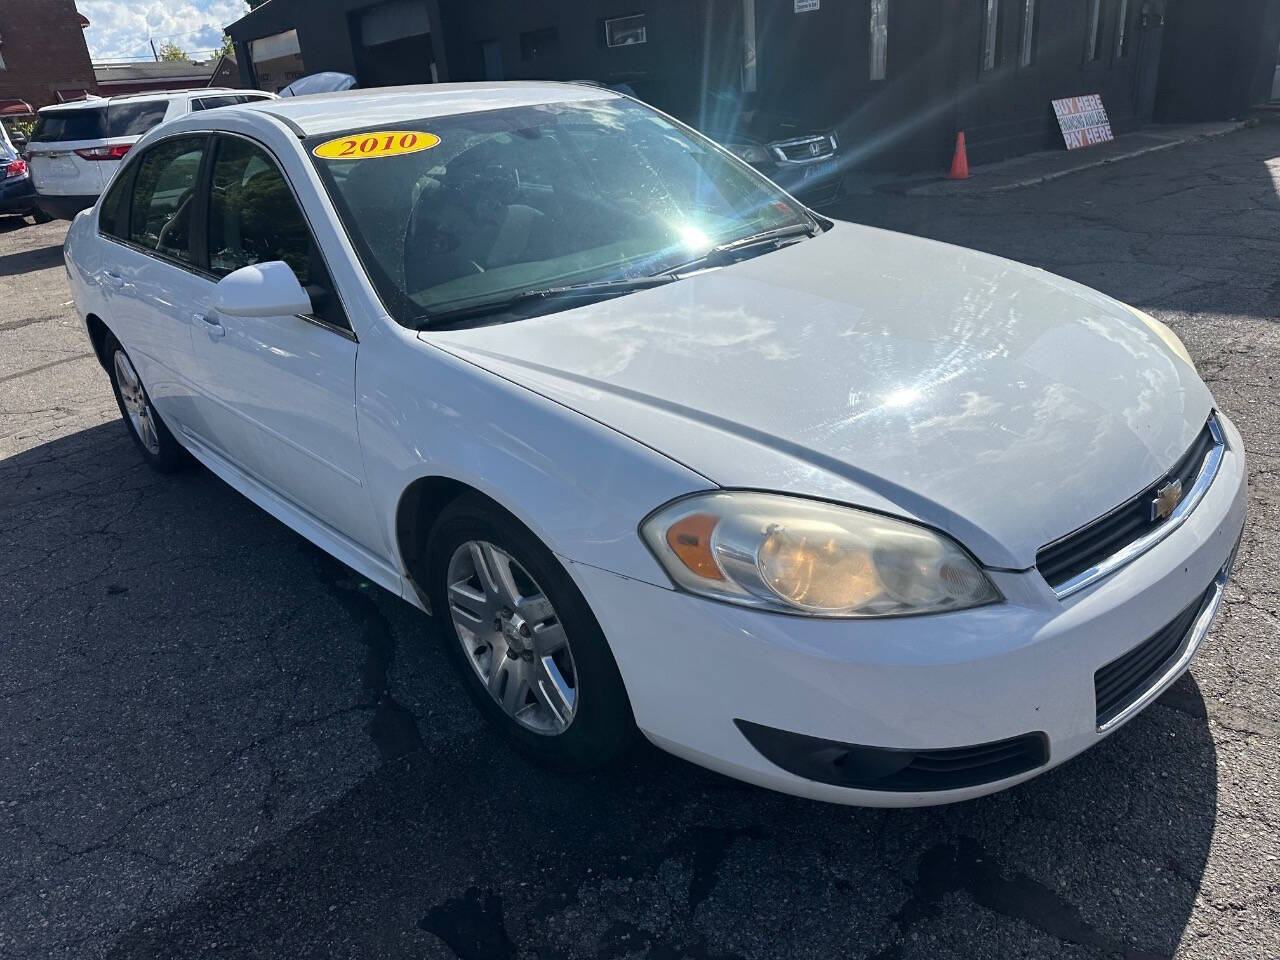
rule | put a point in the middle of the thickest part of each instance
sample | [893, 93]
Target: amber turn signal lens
[690, 540]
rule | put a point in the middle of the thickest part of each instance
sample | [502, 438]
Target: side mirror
[262, 290]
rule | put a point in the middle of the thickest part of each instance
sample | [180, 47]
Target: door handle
[114, 279]
[214, 328]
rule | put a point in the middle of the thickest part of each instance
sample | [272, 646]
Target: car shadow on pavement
[209, 705]
[29, 261]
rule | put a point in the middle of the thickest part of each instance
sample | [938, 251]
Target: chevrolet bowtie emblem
[1167, 499]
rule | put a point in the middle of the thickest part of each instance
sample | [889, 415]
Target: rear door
[151, 275]
[279, 392]
[57, 170]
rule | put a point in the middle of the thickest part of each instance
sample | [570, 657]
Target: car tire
[39, 216]
[153, 439]
[575, 715]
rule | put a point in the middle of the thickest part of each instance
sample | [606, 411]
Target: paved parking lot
[217, 742]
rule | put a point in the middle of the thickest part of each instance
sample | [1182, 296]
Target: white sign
[1083, 120]
[806, 6]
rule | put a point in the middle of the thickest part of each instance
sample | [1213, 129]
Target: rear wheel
[153, 438]
[39, 216]
[524, 641]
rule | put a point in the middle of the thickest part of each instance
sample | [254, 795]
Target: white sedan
[844, 513]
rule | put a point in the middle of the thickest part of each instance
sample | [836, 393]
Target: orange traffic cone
[960, 163]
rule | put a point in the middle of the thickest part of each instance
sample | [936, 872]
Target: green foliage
[172, 52]
[228, 49]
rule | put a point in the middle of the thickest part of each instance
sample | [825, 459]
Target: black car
[802, 160]
[17, 195]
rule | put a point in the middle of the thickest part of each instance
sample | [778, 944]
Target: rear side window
[209, 103]
[226, 100]
[131, 119]
[163, 203]
[62, 125]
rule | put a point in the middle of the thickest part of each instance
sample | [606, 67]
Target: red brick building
[43, 55]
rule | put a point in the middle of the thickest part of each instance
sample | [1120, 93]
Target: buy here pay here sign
[1083, 120]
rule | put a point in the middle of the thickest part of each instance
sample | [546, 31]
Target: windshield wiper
[725, 252]
[595, 290]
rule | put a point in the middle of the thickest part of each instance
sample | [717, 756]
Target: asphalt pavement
[216, 742]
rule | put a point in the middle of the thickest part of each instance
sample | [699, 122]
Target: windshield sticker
[379, 143]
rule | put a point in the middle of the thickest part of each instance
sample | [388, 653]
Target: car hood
[995, 401]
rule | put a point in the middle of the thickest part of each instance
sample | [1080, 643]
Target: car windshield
[521, 199]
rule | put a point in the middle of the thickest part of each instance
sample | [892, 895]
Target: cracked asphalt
[217, 742]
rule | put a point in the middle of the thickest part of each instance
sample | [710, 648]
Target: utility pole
[153, 51]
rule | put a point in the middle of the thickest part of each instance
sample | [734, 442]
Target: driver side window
[163, 197]
[253, 217]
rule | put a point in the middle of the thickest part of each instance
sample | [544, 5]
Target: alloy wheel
[136, 404]
[512, 637]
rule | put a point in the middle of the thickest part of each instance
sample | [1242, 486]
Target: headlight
[1165, 334]
[748, 152]
[802, 556]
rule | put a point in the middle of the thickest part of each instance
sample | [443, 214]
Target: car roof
[190, 93]
[351, 109]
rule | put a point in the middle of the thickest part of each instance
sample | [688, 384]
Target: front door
[278, 393]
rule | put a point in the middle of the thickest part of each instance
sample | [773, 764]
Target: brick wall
[44, 51]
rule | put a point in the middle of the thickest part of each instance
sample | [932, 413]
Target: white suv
[77, 147]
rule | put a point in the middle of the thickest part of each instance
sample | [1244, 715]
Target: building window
[1093, 41]
[990, 34]
[626, 31]
[539, 43]
[491, 55]
[1122, 31]
[1027, 42]
[879, 39]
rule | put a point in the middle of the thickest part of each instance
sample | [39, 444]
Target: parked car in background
[842, 512]
[804, 161]
[77, 147]
[327, 82]
[10, 128]
[17, 195]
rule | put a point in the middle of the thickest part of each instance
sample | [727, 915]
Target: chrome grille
[805, 149]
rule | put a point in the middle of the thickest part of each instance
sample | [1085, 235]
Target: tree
[228, 49]
[172, 52]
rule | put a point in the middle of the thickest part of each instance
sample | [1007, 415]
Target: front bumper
[17, 195]
[929, 684]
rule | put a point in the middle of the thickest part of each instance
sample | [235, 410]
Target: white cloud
[122, 28]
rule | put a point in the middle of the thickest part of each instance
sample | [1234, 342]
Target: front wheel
[524, 641]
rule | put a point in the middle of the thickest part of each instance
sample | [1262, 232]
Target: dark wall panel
[1211, 60]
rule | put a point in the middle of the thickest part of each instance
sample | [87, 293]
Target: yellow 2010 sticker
[379, 143]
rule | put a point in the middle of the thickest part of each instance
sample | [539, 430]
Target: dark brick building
[119, 79]
[43, 55]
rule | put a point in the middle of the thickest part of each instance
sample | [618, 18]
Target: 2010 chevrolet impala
[841, 512]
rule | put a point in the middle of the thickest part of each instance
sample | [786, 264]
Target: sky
[120, 29]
